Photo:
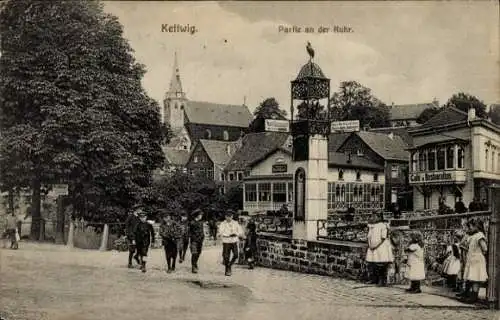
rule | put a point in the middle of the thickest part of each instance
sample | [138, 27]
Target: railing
[266, 206]
[281, 225]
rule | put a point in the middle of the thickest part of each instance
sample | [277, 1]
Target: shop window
[394, 171]
[441, 156]
[422, 160]
[265, 192]
[461, 158]
[279, 192]
[251, 192]
[450, 157]
[431, 160]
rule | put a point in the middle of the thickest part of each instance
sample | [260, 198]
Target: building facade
[455, 156]
[388, 151]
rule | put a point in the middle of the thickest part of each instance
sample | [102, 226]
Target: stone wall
[324, 258]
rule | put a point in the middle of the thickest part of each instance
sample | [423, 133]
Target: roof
[335, 140]
[175, 156]
[310, 69]
[218, 150]
[338, 159]
[398, 131]
[256, 147]
[438, 139]
[217, 114]
[388, 148]
[408, 111]
[447, 115]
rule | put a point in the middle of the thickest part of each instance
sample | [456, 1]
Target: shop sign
[277, 125]
[437, 177]
[280, 168]
[345, 126]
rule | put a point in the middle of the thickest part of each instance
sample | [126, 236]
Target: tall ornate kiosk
[310, 128]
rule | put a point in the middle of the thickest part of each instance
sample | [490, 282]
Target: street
[43, 281]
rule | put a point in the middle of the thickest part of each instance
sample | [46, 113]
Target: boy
[231, 231]
[11, 230]
[183, 242]
[170, 233]
[131, 225]
[144, 236]
[196, 237]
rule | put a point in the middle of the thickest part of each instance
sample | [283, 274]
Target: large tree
[427, 114]
[356, 102]
[73, 109]
[494, 114]
[465, 101]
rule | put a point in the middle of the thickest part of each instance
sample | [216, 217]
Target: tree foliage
[356, 102]
[73, 109]
[494, 114]
[267, 109]
[464, 101]
[427, 114]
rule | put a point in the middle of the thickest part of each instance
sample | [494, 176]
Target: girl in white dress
[379, 254]
[452, 264]
[416, 267]
[475, 264]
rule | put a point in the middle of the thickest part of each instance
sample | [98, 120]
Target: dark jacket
[171, 231]
[130, 226]
[196, 231]
[460, 207]
[144, 234]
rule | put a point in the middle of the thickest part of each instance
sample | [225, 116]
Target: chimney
[472, 114]
[391, 136]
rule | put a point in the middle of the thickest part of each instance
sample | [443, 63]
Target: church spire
[175, 90]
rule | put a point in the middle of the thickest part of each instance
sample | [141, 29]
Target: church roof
[217, 114]
[175, 81]
[310, 69]
[219, 151]
[408, 111]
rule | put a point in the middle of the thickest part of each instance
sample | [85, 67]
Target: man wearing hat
[144, 236]
[230, 231]
[196, 237]
[130, 225]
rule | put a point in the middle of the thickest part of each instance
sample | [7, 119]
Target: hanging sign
[277, 125]
[345, 126]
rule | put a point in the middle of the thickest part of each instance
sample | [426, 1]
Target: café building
[455, 155]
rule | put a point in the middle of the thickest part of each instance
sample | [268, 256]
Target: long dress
[452, 264]
[378, 233]
[416, 267]
[475, 265]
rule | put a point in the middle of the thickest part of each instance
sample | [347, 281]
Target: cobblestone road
[47, 282]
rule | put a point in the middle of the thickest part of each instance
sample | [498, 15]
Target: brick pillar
[493, 289]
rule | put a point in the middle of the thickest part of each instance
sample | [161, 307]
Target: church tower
[175, 100]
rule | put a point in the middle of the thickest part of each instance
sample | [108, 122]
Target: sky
[406, 52]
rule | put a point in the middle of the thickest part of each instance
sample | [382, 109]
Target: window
[450, 157]
[231, 176]
[394, 171]
[358, 176]
[240, 176]
[184, 147]
[441, 155]
[493, 161]
[290, 192]
[375, 177]
[341, 175]
[460, 157]
[414, 161]
[195, 159]
[279, 192]
[225, 135]
[210, 173]
[486, 166]
[427, 201]
[182, 107]
[360, 153]
[431, 160]
[422, 160]
[251, 192]
[208, 134]
[331, 195]
[222, 177]
[265, 192]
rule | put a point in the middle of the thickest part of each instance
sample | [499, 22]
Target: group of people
[466, 258]
[178, 233]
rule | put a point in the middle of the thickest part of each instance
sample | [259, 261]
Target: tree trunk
[60, 220]
[36, 213]
[104, 239]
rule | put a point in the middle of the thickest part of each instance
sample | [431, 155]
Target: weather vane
[310, 50]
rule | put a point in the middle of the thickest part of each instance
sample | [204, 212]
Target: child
[416, 268]
[251, 244]
[183, 243]
[379, 254]
[171, 234]
[196, 238]
[452, 264]
[475, 266]
[144, 236]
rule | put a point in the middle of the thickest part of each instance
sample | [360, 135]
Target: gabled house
[389, 151]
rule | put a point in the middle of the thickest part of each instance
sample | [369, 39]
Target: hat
[229, 213]
[196, 212]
